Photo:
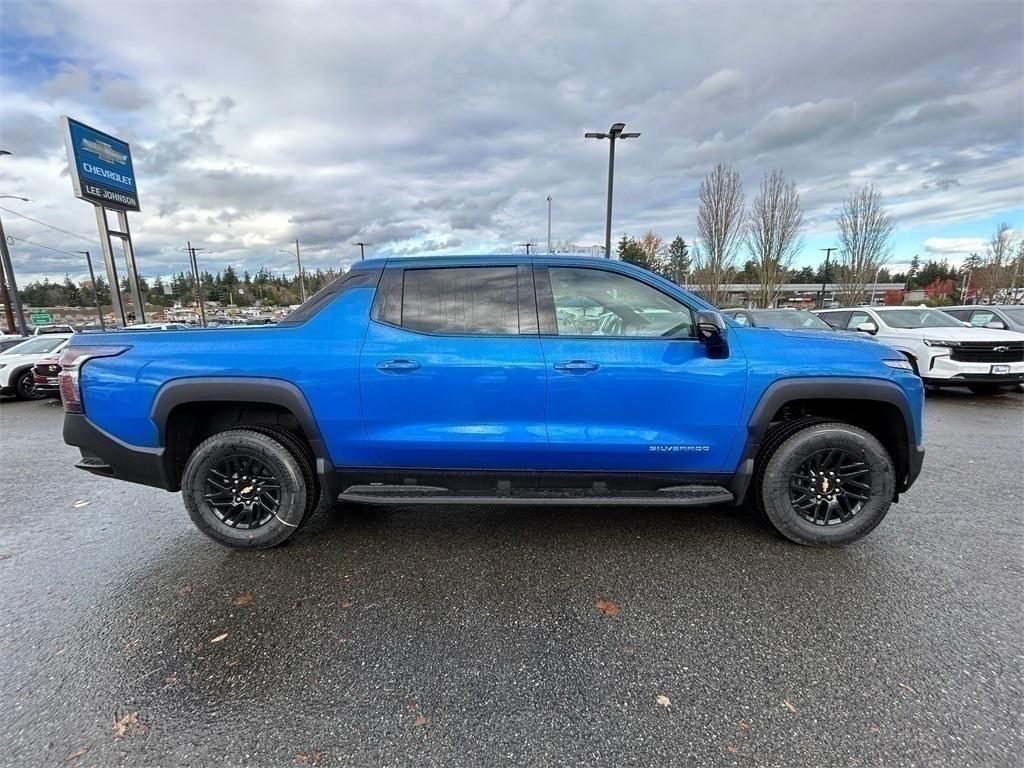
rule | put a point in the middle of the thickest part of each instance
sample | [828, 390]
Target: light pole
[549, 223]
[362, 254]
[95, 292]
[824, 275]
[12, 301]
[615, 132]
[528, 246]
[197, 288]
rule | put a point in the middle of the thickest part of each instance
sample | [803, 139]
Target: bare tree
[719, 230]
[865, 230]
[773, 234]
[653, 248]
[994, 276]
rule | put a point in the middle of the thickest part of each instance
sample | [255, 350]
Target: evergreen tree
[678, 261]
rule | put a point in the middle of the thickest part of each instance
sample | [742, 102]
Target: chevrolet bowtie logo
[1000, 349]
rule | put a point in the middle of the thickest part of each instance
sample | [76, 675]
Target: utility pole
[824, 275]
[549, 223]
[615, 132]
[528, 246]
[95, 291]
[362, 254]
[195, 282]
[5, 297]
[12, 301]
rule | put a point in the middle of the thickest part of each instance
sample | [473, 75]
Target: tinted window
[959, 314]
[461, 300]
[836, 319]
[1015, 313]
[37, 345]
[740, 318]
[593, 302]
[789, 318]
[856, 319]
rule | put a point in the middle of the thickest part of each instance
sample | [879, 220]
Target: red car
[44, 375]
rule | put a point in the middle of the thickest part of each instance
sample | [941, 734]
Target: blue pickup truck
[499, 380]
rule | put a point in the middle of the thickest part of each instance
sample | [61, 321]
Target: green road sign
[40, 318]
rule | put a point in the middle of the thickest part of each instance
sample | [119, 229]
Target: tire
[25, 388]
[989, 389]
[790, 484]
[222, 470]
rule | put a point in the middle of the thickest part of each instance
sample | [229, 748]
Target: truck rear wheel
[826, 485]
[245, 489]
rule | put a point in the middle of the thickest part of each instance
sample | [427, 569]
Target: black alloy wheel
[830, 487]
[243, 491]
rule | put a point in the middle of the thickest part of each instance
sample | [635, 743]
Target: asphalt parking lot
[525, 636]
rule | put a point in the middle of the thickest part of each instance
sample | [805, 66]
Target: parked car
[1008, 317]
[44, 375]
[463, 380]
[39, 330]
[795, 319]
[942, 351]
[7, 341]
[158, 327]
[16, 364]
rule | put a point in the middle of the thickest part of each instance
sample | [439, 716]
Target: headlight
[940, 343]
[902, 363]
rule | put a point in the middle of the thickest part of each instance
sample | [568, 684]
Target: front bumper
[943, 370]
[103, 454]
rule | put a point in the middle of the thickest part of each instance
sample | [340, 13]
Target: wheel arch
[890, 421]
[186, 411]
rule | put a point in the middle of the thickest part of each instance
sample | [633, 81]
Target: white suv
[942, 350]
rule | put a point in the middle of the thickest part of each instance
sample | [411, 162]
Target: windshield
[1014, 313]
[37, 345]
[789, 319]
[918, 318]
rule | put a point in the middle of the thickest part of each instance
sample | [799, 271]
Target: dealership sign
[101, 167]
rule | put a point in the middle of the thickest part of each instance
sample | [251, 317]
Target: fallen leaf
[743, 725]
[185, 590]
[6, 556]
[76, 754]
[220, 638]
[127, 722]
[789, 705]
[243, 599]
[731, 748]
[81, 503]
[412, 704]
[346, 604]
[876, 728]
[904, 685]
[308, 758]
[663, 700]
[420, 721]
[607, 607]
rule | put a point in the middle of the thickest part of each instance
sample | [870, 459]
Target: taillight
[71, 360]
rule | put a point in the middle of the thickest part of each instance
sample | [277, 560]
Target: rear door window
[460, 301]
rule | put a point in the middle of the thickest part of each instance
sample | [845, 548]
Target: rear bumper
[103, 454]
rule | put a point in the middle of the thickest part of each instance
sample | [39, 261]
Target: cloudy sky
[434, 128]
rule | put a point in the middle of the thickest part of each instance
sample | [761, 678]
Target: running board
[675, 496]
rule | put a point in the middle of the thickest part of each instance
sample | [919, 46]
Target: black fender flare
[784, 391]
[235, 389]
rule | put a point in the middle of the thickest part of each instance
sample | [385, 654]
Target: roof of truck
[504, 258]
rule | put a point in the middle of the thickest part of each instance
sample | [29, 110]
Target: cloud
[426, 128]
[955, 247]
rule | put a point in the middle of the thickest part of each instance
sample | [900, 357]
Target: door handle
[576, 366]
[398, 366]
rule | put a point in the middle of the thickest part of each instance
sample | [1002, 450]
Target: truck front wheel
[826, 485]
[245, 489]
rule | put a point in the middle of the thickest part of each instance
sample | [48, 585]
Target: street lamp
[302, 276]
[95, 292]
[549, 223]
[528, 246]
[362, 253]
[824, 275]
[615, 132]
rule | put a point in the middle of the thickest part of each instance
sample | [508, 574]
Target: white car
[16, 364]
[942, 350]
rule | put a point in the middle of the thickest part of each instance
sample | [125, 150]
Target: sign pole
[12, 285]
[133, 273]
[108, 261]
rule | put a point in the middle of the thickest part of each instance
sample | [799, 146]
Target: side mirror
[711, 333]
[867, 327]
[996, 325]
